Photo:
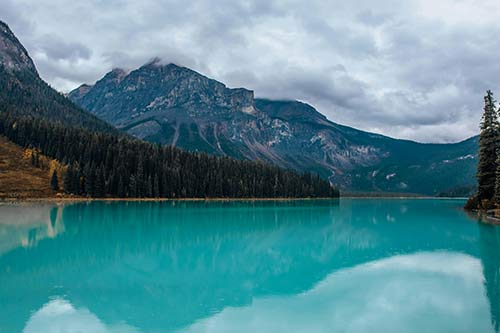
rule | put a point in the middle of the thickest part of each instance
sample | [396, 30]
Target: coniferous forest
[488, 169]
[23, 93]
[110, 165]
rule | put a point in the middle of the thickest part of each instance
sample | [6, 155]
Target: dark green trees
[54, 182]
[24, 93]
[488, 168]
[488, 148]
[496, 197]
[71, 180]
[109, 165]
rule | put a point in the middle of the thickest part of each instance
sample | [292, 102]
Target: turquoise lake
[349, 265]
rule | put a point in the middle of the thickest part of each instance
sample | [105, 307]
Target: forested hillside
[107, 165]
[23, 93]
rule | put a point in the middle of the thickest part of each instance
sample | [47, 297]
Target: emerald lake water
[349, 265]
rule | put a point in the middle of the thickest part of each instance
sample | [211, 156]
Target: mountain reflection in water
[277, 266]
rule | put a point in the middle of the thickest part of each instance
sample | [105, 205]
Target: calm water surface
[360, 265]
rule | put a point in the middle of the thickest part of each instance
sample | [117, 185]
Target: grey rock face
[13, 56]
[174, 105]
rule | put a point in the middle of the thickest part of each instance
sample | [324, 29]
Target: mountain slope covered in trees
[173, 105]
[102, 165]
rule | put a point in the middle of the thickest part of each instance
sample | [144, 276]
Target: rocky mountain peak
[13, 56]
[291, 111]
[81, 91]
[116, 75]
[158, 90]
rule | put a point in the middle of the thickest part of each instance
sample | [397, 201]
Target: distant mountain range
[174, 105]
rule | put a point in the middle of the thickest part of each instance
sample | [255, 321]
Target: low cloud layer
[415, 69]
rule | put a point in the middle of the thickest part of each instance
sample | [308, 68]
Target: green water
[360, 265]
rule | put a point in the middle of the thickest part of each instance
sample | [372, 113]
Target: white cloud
[59, 315]
[422, 292]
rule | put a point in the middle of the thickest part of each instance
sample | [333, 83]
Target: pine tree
[139, 179]
[132, 187]
[496, 197]
[77, 180]
[488, 149]
[156, 186]
[54, 182]
[68, 179]
[99, 186]
[149, 187]
[89, 176]
[33, 158]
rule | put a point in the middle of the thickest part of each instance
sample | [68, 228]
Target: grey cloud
[394, 68]
[369, 17]
[343, 38]
[57, 49]
[12, 14]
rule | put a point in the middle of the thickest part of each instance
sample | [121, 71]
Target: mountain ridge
[123, 72]
[174, 105]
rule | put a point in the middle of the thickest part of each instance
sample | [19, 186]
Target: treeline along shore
[101, 165]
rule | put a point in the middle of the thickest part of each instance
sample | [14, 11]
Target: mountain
[174, 105]
[97, 160]
[24, 93]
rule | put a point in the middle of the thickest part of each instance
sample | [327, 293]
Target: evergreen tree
[33, 158]
[132, 187]
[497, 179]
[68, 179]
[149, 187]
[488, 149]
[156, 187]
[77, 180]
[89, 177]
[99, 188]
[496, 197]
[54, 182]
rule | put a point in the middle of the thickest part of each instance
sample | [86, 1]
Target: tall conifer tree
[496, 197]
[497, 181]
[488, 149]
[54, 182]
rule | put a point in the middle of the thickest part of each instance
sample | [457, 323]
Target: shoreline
[486, 216]
[84, 199]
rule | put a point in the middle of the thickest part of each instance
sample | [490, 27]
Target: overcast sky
[415, 69]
